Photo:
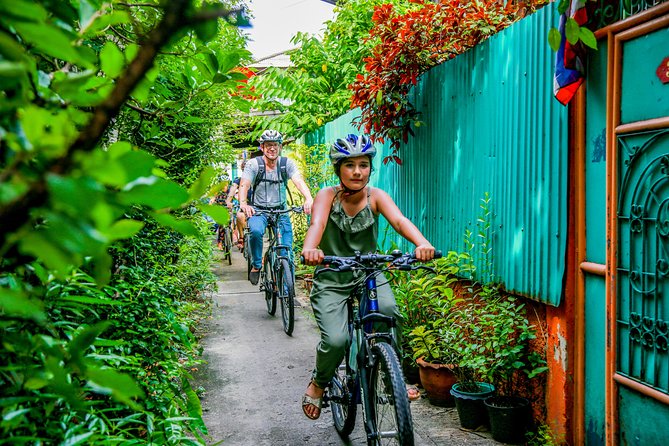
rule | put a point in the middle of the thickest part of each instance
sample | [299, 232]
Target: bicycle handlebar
[297, 209]
[395, 259]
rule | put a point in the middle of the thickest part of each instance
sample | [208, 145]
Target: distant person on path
[345, 220]
[219, 199]
[268, 176]
[232, 202]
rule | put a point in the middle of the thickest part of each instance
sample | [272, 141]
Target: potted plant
[418, 301]
[306, 273]
[494, 344]
[436, 363]
[509, 361]
[472, 387]
[425, 302]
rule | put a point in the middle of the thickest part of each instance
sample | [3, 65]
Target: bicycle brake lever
[322, 270]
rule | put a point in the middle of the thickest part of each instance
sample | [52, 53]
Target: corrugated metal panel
[491, 125]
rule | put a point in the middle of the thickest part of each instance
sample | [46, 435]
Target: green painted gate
[625, 269]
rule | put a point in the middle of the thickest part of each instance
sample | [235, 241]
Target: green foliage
[103, 266]
[314, 165]
[316, 86]
[118, 379]
[482, 333]
[542, 436]
[409, 43]
[425, 302]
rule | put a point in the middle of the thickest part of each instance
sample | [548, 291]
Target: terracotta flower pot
[308, 282]
[437, 380]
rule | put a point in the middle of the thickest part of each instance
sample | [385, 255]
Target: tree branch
[17, 212]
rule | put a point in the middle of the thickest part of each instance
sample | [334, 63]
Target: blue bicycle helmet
[350, 147]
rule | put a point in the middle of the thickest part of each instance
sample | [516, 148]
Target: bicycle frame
[274, 245]
[365, 320]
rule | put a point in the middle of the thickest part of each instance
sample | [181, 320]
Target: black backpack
[283, 172]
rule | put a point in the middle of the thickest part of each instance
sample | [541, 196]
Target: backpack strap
[283, 169]
[283, 163]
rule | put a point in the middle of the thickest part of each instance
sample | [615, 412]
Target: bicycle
[276, 275]
[370, 373]
[224, 240]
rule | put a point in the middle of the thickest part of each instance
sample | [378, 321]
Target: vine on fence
[410, 44]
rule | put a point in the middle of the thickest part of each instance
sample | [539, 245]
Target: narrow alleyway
[255, 377]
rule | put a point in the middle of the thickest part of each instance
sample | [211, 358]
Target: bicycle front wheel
[286, 291]
[227, 242]
[247, 255]
[269, 285]
[342, 392]
[389, 402]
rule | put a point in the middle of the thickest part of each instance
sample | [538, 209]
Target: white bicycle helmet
[271, 136]
[350, 147]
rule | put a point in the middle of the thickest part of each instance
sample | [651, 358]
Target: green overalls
[343, 236]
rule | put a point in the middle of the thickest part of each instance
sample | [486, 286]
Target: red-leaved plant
[412, 43]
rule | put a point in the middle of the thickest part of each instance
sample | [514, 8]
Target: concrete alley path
[255, 376]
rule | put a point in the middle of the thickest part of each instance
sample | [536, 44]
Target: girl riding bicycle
[345, 220]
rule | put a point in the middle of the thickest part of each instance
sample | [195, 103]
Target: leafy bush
[316, 86]
[103, 268]
[480, 331]
[126, 377]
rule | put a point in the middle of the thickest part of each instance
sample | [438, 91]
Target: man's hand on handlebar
[312, 257]
[247, 209]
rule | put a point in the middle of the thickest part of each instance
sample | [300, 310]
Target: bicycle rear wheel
[389, 401]
[269, 285]
[286, 290]
[342, 393]
[227, 243]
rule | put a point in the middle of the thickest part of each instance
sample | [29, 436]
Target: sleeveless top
[344, 235]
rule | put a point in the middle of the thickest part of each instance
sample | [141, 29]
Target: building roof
[279, 60]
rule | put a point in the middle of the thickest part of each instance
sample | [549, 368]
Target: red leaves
[411, 44]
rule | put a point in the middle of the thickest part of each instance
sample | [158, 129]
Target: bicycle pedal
[326, 400]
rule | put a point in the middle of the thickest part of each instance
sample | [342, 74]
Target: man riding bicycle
[268, 176]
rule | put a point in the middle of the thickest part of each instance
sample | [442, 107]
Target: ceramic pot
[437, 380]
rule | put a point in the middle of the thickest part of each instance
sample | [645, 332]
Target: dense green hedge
[108, 140]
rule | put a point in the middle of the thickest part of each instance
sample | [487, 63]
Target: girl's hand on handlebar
[307, 206]
[424, 252]
[312, 256]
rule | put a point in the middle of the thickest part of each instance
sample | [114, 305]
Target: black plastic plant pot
[510, 418]
[470, 407]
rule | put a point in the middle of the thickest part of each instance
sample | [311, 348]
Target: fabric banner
[569, 68]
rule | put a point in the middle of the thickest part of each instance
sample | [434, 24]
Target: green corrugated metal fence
[491, 125]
